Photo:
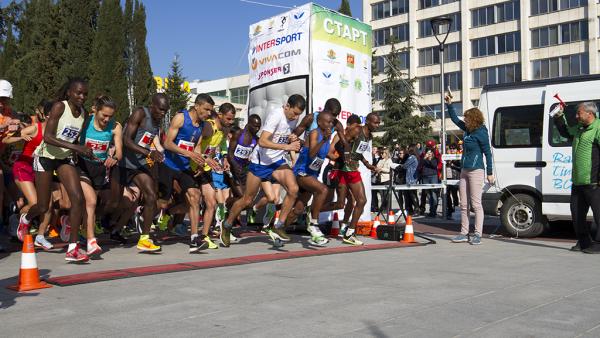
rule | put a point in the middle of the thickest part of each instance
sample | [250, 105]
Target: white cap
[5, 89]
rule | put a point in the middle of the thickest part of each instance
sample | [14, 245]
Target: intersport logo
[277, 42]
[274, 57]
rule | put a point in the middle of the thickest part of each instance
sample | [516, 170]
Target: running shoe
[116, 236]
[350, 238]
[163, 222]
[269, 214]
[198, 244]
[343, 229]
[147, 245]
[76, 255]
[279, 233]
[23, 228]
[225, 236]
[251, 217]
[460, 239]
[42, 242]
[233, 239]
[475, 240]
[65, 229]
[98, 229]
[316, 236]
[211, 244]
[93, 248]
[265, 229]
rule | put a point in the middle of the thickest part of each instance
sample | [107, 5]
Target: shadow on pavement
[8, 297]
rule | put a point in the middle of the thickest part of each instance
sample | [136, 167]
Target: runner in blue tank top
[182, 137]
[97, 172]
[307, 170]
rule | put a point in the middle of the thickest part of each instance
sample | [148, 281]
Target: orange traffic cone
[409, 235]
[276, 218]
[391, 217]
[376, 223]
[335, 226]
[29, 276]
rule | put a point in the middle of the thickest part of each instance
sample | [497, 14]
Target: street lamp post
[441, 29]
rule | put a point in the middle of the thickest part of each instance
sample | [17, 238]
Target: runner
[181, 139]
[358, 138]
[268, 162]
[23, 172]
[55, 154]
[96, 172]
[213, 140]
[241, 146]
[307, 170]
[7, 124]
[141, 130]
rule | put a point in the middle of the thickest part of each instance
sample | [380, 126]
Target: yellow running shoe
[211, 244]
[147, 245]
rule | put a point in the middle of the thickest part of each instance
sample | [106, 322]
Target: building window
[569, 65]
[436, 110]
[431, 84]
[547, 6]
[380, 62]
[431, 56]
[383, 36]
[220, 93]
[432, 3]
[489, 15]
[239, 95]
[425, 25]
[386, 9]
[518, 127]
[559, 34]
[498, 44]
[496, 75]
[378, 92]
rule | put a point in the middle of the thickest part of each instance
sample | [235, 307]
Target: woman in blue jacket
[411, 165]
[476, 145]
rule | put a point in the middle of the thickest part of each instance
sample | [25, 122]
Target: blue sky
[210, 36]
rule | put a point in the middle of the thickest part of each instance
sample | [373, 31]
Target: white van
[532, 162]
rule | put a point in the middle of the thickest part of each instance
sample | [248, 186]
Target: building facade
[231, 89]
[490, 42]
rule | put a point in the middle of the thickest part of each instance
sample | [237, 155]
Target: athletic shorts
[219, 181]
[93, 173]
[349, 177]
[205, 178]
[43, 164]
[23, 171]
[265, 172]
[166, 176]
[331, 177]
[127, 175]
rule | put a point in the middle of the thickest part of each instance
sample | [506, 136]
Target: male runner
[268, 162]
[181, 139]
[140, 132]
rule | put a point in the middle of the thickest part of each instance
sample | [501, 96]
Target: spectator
[396, 158]
[476, 145]
[383, 169]
[585, 192]
[419, 149]
[430, 145]
[429, 175]
[411, 165]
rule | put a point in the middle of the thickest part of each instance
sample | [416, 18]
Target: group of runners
[84, 172]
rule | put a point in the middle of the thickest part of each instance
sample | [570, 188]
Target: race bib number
[362, 147]
[316, 164]
[69, 134]
[186, 145]
[281, 139]
[14, 156]
[242, 152]
[98, 147]
[146, 140]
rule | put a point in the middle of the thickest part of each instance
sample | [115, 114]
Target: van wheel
[521, 216]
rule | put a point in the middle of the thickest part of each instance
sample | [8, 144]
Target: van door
[556, 150]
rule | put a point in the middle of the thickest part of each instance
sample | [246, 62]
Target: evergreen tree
[345, 8]
[107, 65]
[400, 101]
[129, 50]
[144, 85]
[9, 51]
[76, 37]
[36, 68]
[178, 97]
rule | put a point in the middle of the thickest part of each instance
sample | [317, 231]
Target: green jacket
[586, 150]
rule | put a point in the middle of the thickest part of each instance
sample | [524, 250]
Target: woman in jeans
[429, 175]
[383, 170]
[476, 144]
[411, 164]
